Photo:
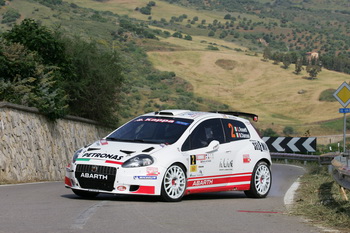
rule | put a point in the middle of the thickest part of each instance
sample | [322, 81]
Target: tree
[267, 53]
[40, 39]
[227, 16]
[286, 61]
[151, 3]
[188, 37]
[211, 33]
[58, 75]
[298, 66]
[177, 35]
[99, 79]
[313, 70]
[25, 80]
[146, 10]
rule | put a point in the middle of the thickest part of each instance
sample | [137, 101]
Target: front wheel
[174, 183]
[261, 181]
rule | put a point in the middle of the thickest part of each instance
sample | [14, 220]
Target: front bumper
[114, 179]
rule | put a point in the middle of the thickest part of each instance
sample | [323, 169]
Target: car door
[206, 149]
[237, 137]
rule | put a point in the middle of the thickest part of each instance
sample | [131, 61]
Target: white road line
[289, 196]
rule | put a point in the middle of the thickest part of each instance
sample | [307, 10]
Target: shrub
[327, 95]
[288, 130]
[269, 133]
[10, 16]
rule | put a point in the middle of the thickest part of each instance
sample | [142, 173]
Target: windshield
[151, 130]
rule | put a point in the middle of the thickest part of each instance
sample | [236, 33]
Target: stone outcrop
[33, 148]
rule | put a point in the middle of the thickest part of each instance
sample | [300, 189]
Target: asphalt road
[49, 207]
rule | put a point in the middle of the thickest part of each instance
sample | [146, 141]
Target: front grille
[96, 177]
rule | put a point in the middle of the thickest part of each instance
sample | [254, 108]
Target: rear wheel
[85, 194]
[261, 181]
[174, 183]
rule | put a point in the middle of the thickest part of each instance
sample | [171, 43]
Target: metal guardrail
[340, 164]
[341, 171]
[323, 159]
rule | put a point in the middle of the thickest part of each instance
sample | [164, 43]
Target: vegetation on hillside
[58, 75]
[104, 78]
[146, 89]
[283, 26]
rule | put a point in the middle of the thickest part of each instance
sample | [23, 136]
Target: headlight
[76, 154]
[139, 161]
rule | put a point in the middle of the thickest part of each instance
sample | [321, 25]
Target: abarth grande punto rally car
[173, 153]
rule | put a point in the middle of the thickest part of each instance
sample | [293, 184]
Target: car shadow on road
[144, 198]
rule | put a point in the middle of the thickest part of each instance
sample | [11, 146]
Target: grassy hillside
[222, 73]
[246, 83]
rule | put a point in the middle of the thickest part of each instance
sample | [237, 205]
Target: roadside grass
[319, 200]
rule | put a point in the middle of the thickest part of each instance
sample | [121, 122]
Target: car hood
[117, 151]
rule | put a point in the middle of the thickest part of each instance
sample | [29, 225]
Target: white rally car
[173, 153]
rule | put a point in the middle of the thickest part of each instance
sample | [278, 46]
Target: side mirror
[213, 146]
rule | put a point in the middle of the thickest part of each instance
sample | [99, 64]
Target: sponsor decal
[181, 123]
[193, 168]
[259, 145]
[201, 157]
[208, 158]
[83, 159]
[152, 171]
[226, 164]
[202, 182]
[238, 132]
[121, 188]
[113, 162]
[239, 181]
[193, 159]
[159, 120]
[246, 159]
[102, 156]
[241, 130]
[145, 177]
[94, 176]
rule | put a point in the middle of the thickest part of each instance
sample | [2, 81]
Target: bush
[288, 130]
[25, 80]
[44, 70]
[327, 96]
[146, 10]
[10, 16]
[269, 133]
[95, 88]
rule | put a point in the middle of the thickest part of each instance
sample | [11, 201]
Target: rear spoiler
[250, 115]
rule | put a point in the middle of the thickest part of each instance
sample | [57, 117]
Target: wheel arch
[180, 164]
[265, 160]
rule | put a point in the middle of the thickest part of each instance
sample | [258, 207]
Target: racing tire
[174, 183]
[261, 181]
[84, 194]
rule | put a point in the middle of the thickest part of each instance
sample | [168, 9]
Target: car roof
[198, 115]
